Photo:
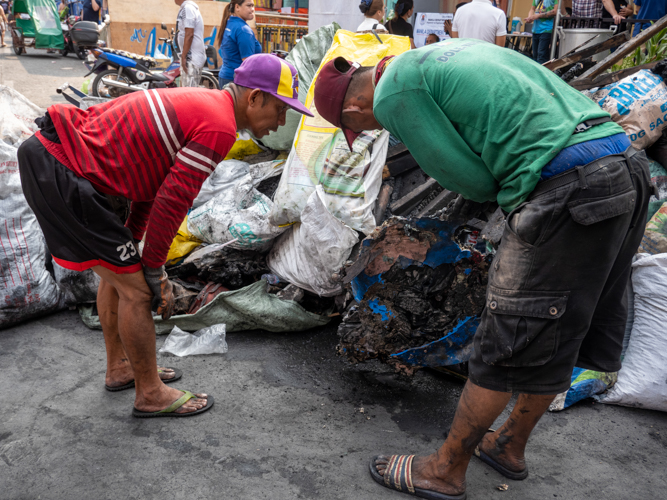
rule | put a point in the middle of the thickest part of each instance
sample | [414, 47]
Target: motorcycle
[120, 72]
[80, 36]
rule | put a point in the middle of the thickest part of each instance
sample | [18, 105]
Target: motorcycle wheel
[81, 53]
[65, 51]
[101, 90]
[18, 50]
[208, 82]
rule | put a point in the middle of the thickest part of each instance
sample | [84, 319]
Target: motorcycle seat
[147, 61]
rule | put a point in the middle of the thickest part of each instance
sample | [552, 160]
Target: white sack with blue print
[638, 103]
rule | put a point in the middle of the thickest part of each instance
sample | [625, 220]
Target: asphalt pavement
[37, 74]
[291, 418]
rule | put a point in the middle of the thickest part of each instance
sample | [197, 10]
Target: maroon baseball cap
[330, 88]
[274, 76]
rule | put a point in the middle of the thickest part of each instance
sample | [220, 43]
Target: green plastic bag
[248, 308]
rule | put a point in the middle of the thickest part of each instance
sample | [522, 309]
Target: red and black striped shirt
[155, 147]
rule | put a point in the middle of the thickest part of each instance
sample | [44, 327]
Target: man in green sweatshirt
[491, 124]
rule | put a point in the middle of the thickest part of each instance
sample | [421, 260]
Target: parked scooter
[120, 72]
[80, 36]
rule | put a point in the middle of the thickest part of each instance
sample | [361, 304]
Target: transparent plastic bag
[209, 340]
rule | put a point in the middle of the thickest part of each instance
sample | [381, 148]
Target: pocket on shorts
[521, 328]
[590, 211]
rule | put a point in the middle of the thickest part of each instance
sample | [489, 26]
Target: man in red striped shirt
[155, 148]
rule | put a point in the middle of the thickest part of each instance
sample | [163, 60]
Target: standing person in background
[373, 10]
[448, 22]
[190, 38]
[482, 21]
[91, 10]
[542, 14]
[648, 9]
[622, 9]
[399, 25]
[3, 26]
[593, 8]
[235, 38]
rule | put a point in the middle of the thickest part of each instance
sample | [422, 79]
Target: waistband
[584, 153]
[579, 172]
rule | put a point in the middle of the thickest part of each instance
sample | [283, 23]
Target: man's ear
[255, 98]
[351, 112]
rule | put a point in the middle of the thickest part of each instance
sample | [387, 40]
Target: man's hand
[448, 26]
[618, 19]
[530, 18]
[184, 65]
[626, 11]
[163, 291]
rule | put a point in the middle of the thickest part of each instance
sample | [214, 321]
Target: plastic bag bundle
[654, 240]
[320, 156]
[584, 384]
[638, 103]
[17, 115]
[28, 290]
[314, 249]
[642, 381]
[229, 209]
[210, 340]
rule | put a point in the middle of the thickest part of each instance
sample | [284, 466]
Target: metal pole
[553, 35]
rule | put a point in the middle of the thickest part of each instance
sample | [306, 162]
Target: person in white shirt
[373, 10]
[481, 20]
[190, 28]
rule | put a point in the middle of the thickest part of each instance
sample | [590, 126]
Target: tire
[101, 90]
[81, 53]
[208, 82]
[18, 50]
[65, 51]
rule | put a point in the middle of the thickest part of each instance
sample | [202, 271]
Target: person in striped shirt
[155, 148]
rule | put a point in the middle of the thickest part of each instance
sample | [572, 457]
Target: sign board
[427, 23]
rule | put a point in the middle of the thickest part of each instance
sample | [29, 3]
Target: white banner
[427, 23]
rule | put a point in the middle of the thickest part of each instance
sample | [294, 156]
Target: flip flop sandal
[398, 476]
[169, 411]
[516, 476]
[177, 375]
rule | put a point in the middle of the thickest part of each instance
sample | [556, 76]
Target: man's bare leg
[444, 471]
[119, 369]
[508, 444]
[137, 336]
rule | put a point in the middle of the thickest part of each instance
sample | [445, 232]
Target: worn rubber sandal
[516, 476]
[169, 411]
[398, 477]
[177, 376]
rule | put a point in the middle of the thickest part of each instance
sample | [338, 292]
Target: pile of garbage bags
[28, 288]
[287, 241]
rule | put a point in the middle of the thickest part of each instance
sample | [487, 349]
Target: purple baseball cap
[274, 76]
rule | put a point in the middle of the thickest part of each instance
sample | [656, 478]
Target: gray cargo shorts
[556, 293]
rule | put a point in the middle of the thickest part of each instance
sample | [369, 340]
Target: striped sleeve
[195, 161]
[138, 219]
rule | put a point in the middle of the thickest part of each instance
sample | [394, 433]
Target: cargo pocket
[590, 211]
[521, 328]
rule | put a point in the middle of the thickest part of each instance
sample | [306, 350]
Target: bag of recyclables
[351, 180]
[638, 103]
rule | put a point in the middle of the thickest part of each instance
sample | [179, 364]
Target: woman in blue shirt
[235, 38]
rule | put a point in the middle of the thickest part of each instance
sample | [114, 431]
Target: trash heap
[285, 241]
